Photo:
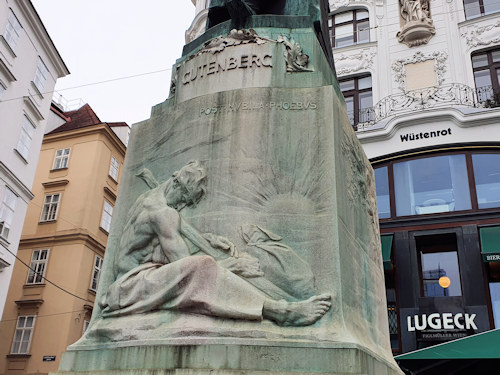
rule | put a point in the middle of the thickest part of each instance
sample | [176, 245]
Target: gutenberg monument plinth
[245, 235]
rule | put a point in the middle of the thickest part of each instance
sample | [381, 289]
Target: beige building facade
[61, 251]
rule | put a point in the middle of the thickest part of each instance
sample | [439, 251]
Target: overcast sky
[102, 40]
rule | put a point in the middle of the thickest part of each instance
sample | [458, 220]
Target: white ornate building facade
[421, 80]
[29, 67]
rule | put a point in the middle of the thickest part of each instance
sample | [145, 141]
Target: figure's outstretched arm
[213, 245]
[215, 248]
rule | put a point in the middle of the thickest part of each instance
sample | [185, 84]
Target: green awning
[490, 243]
[386, 250]
[484, 345]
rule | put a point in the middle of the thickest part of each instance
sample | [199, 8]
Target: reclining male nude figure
[155, 270]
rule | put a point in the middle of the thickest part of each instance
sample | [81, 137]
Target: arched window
[349, 28]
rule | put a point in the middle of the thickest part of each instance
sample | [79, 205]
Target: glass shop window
[431, 185]
[487, 178]
[383, 197]
[494, 286]
[440, 272]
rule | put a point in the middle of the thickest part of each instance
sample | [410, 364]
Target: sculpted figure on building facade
[155, 270]
[415, 10]
[418, 26]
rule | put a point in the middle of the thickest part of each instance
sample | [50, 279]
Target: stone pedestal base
[225, 360]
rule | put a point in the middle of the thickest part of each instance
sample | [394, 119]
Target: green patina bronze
[245, 233]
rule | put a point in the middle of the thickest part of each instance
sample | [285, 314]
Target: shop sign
[424, 135]
[49, 358]
[491, 257]
[444, 321]
[442, 335]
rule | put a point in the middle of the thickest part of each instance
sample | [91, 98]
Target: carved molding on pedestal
[481, 35]
[351, 63]
[296, 60]
[439, 58]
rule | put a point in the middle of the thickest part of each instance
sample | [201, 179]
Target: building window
[478, 8]
[439, 265]
[114, 168]
[107, 214]
[96, 274]
[7, 212]
[27, 132]
[22, 337]
[41, 75]
[431, 185]
[50, 207]
[487, 179]
[38, 266]
[13, 30]
[358, 99]
[486, 67]
[383, 197]
[86, 324]
[61, 159]
[2, 90]
[348, 28]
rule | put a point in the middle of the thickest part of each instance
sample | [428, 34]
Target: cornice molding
[29, 303]
[110, 193]
[6, 71]
[455, 116]
[197, 27]
[30, 104]
[48, 241]
[336, 5]
[50, 184]
[101, 128]
[20, 188]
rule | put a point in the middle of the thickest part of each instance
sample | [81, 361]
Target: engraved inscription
[256, 106]
[218, 66]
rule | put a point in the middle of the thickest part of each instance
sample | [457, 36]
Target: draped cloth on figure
[281, 265]
[194, 284]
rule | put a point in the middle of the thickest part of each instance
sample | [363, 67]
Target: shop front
[439, 214]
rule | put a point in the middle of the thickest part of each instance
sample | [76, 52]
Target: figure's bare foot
[301, 313]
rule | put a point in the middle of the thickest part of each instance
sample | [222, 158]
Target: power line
[50, 282]
[169, 69]
[90, 84]
[45, 316]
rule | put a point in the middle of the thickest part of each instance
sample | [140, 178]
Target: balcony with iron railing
[451, 95]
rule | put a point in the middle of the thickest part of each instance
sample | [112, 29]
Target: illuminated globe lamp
[444, 282]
